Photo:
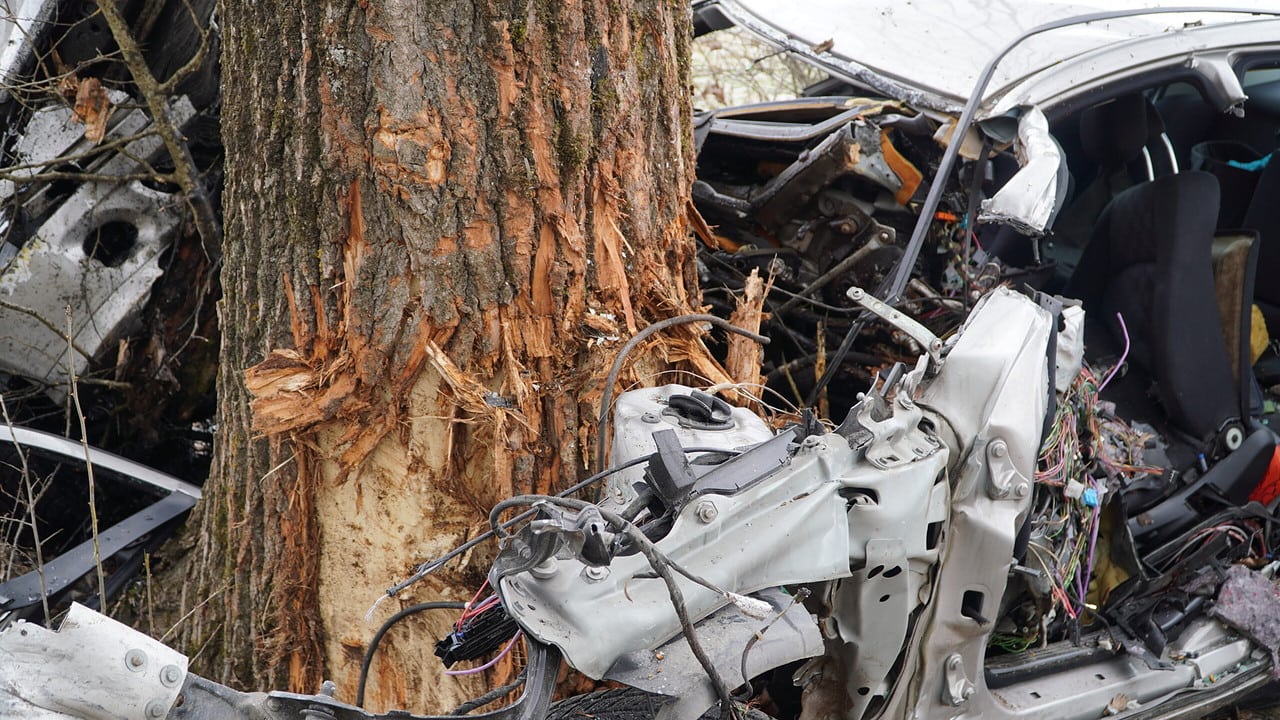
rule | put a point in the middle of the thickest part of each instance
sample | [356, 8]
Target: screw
[157, 708]
[810, 441]
[998, 448]
[170, 675]
[1021, 490]
[953, 662]
[328, 688]
[135, 660]
[595, 574]
[706, 511]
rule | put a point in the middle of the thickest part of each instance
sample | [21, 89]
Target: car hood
[932, 53]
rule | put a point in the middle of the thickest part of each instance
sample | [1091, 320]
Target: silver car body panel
[91, 668]
[931, 54]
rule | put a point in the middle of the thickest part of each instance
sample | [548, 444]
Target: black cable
[663, 567]
[431, 566]
[494, 694]
[837, 359]
[801, 595]
[978, 168]
[500, 529]
[377, 638]
[602, 426]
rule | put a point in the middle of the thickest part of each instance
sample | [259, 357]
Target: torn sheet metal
[1069, 353]
[97, 253]
[726, 636]
[1250, 603]
[1029, 201]
[91, 668]
[860, 148]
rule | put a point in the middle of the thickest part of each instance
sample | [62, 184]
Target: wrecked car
[1031, 287]
[97, 269]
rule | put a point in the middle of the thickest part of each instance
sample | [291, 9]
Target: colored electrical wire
[1123, 356]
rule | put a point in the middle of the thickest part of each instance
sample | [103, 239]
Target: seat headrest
[1114, 133]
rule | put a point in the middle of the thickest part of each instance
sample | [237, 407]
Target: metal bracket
[956, 688]
[914, 330]
[897, 439]
[1006, 481]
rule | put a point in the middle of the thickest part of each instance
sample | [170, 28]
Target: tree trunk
[442, 220]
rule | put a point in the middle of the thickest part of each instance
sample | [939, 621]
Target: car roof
[931, 52]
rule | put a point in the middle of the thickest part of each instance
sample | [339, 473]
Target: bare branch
[167, 87]
[185, 173]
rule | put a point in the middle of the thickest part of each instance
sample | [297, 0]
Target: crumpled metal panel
[1250, 603]
[788, 528]
[1029, 201]
[672, 670]
[931, 53]
[56, 269]
[638, 413]
[91, 668]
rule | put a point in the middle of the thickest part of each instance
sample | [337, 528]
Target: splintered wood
[743, 359]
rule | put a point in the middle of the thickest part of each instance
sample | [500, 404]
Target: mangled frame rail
[21, 594]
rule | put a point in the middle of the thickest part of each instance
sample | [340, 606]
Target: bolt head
[595, 574]
[706, 511]
[1021, 490]
[135, 660]
[999, 449]
[170, 675]
[157, 708]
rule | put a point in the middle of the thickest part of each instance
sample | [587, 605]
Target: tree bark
[442, 218]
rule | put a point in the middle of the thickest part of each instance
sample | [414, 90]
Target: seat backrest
[1263, 215]
[1150, 259]
[1114, 136]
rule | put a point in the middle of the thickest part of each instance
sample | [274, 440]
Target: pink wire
[1123, 355]
[491, 663]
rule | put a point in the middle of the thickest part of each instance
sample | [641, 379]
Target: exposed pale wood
[442, 219]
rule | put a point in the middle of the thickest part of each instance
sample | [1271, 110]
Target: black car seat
[1124, 143]
[1150, 259]
[1263, 215]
